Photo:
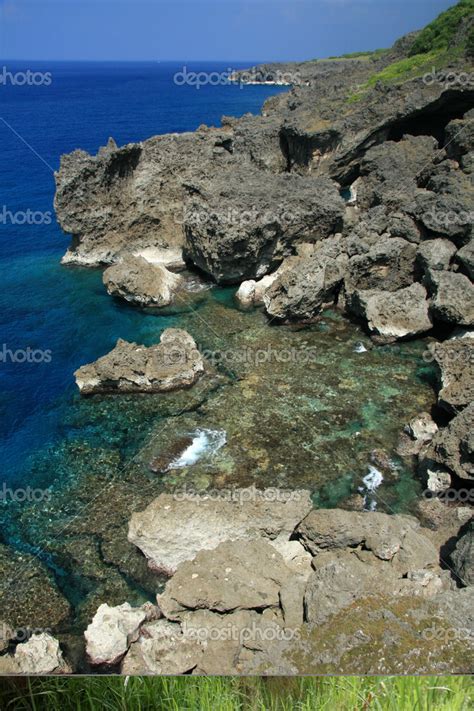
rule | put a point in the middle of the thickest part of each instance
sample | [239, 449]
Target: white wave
[360, 348]
[371, 482]
[205, 444]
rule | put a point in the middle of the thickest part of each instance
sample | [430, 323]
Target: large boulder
[452, 447]
[396, 539]
[388, 171]
[339, 578]
[393, 315]
[239, 225]
[465, 258]
[172, 364]
[175, 527]
[141, 282]
[307, 283]
[455, 359]
[162, 648]
[452, 298]
[237, 575]
[360, 554]
[389, 265]
[130, 198]
[436, 254]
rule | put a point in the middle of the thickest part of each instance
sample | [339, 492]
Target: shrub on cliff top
[441, 33]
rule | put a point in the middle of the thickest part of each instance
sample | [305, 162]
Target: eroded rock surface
[172, 364]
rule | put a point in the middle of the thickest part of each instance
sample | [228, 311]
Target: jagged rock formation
[174, 363]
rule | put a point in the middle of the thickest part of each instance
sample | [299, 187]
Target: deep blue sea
[65, 312]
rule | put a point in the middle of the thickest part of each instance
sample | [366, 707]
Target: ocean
[53, 318]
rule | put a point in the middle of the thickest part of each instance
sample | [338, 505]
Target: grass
[233, 693]
[368, 54]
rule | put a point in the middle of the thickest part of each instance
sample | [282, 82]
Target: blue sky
[204, 29]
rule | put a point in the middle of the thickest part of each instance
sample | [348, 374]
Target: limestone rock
[452, 448]
[453, 298]
[41, 654]
[394, 538]
[455, 359]
[393, 315]
[174, 528]
[111, 632]
[174, 363]
[162, 649]
[235, 575]
[240, 225]
[436, 254]
[141, 282]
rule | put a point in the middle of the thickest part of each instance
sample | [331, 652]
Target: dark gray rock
[388, 265]
[452, 298]
[436, 254]
[239, 225]
[463, 556]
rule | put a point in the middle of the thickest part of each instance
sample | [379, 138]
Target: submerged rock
[175, 527]
[141, 282]
[174, 363]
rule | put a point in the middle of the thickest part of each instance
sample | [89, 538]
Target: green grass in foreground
[232, 693]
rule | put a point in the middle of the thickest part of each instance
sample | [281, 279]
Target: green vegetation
[405, 69]
[368, 54]
[238, 694]
[441, 33]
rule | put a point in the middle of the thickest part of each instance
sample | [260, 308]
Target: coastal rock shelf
[299, 471]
